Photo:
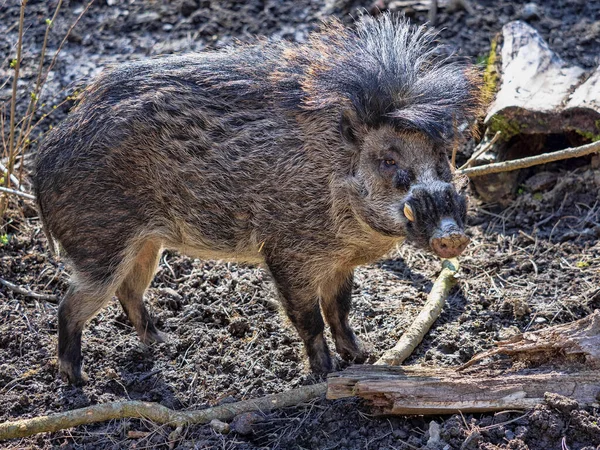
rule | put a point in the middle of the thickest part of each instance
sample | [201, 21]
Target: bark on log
[419, 390]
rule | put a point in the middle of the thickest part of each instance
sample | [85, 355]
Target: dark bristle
[390, 72]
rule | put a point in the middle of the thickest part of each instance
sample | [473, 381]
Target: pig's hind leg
[122, 269]
[336, 296]
[131, 291]
[81, 302]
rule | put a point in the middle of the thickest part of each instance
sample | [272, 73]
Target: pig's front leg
[300, 300]
[336, 299]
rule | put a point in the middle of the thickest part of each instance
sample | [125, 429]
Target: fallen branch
[531, 161]
[26, 292]
[423, 390]
[19, 193]
[155, 412]
[422, 323]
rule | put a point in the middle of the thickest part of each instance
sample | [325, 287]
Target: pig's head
[402, 187]
[400, 101]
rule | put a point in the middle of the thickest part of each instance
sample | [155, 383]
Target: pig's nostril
[450, 245]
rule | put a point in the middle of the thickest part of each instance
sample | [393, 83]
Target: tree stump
[540, 96]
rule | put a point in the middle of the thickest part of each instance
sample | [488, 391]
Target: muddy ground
[532, 264]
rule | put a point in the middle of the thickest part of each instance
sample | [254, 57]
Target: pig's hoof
[71, 375]
[153, 336]
[353, 351]
[321, 364]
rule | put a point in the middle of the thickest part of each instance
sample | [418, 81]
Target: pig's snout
[435, 214]
[448, 241]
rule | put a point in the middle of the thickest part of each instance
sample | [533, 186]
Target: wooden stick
[422, 323]
[531, 161]
[27, 293]
[422, 390]
[481, 151]
[19, 193]
[433, 13]
[155, 412]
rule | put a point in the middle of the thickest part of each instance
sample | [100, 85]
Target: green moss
[490, 74]
[588, 135]
[508, 127]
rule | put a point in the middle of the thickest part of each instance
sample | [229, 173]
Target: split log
[420, 390]
[540, 96]
[579, 340]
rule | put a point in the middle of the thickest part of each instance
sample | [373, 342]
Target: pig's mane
[389, 71]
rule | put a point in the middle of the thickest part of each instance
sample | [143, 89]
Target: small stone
[541, 181]
[242, 423]
[219, 426]
[530, 11]
[434, 434]
[147, 17]
[400, 433]
[111, 374]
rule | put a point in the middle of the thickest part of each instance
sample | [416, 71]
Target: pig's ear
[348, 128]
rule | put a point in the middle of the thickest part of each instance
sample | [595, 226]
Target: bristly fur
[390, 72]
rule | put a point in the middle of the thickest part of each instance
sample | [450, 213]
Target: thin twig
[31, 108]
[13, 105]
[531, 161]
[481, 151]
[62, 43]
[19, 193]
[27, 293]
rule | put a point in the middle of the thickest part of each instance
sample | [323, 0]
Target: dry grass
[15, 129]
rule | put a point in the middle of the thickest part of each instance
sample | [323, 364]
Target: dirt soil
[531, 265]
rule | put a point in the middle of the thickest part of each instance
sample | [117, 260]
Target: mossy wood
[536, 96]
[540, 93]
